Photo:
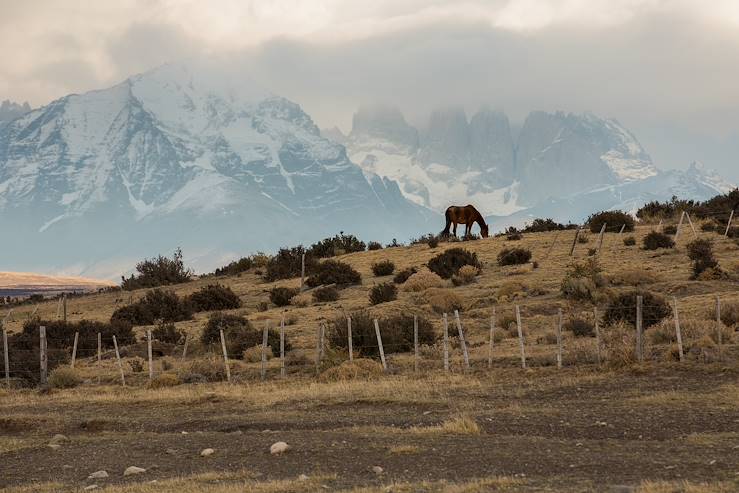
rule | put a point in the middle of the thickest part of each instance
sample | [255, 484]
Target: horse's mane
[479, 218]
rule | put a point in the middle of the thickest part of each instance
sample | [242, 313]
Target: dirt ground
[550, 431]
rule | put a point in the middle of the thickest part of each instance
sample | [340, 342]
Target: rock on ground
[133, 470]
[279, 448]
[98, 474]
[206, 452]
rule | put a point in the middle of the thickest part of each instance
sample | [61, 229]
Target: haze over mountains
[182, 156]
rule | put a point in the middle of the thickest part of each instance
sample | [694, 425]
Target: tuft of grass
[404, 449]
[458, 425]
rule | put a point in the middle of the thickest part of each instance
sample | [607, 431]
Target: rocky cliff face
[10, 111]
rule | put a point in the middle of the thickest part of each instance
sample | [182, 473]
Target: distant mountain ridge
[180, 156]
[556, 158]
[10, 110]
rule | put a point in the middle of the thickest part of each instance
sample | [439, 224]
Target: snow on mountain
[10, 111]
[183, 156]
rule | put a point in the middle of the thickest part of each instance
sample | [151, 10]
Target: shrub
[236, 267]
[334, 272]
[396, 331]
[281, 296]
[325, 294]
[382, 293]
[288, 264]
[374, 245]
[60, 334]
[622, 308]
[580, 327]
[514, 256]
[164, 380]
[359, 369]
[514, 236]
[511, 290]
[466, 275]
[403, 275]
[655, 240]
[448, 263]
[160, 271]
[629, 241]
[383, 268]
[214, 297]
[155, 305]
[583, 238]
[423, 280]
[730, 314]
[542, 225]
[610, 218]
[136, 364]
[443, 300]
[670, 229]
[634, 277]
[338, 245]
[433, 241]
[582, 281]
[64, 377]
[239, 334]
[710, 225]
[167, 332]
[700, 251]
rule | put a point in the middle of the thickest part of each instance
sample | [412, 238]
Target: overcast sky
[667, 69]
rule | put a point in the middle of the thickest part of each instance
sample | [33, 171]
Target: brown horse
[466, 215]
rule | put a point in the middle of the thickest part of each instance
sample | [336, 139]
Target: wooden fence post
[148, 353]
[225, 356]
[678, 334]
[6, 357]
[323, 340]
[118, 359]
[100, 354]
[600, 238]
[559, 338]
[679, 226]
[349, 338]
[639, 330]
[623, 227]
[659, 226]
[302, 272]
[695, 235]
[718, 327]
[597, 335]
[318, 350]
[574, 242]
[184, 349]
[74, 348]
[282, 346]
[461, 340]
[551, 247]
[492, 338]
[415, 343]
[64, 307]
[520, 337]
[265, 335]
[728, 225]
[446, 344]
[44, 357]
[379, 345]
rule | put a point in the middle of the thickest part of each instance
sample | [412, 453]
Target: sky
[667, 69]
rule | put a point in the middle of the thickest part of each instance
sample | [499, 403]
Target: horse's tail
[448, 215]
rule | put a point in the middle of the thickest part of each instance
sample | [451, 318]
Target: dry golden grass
[686, 487]
[404, 449]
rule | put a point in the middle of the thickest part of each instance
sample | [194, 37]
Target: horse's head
[484, 231]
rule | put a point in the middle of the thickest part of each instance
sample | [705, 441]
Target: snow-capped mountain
[560, 161]
[10, 111]
[181, 156]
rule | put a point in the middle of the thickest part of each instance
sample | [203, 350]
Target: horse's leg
[455, 230]
[466, 230]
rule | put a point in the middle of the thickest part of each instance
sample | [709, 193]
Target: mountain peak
[10, 110]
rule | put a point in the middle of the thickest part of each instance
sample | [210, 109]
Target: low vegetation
[159, 271]
[514, 256]
[613, 219]
[383, 268]
[622, 308]
[382, 293]
[337, 245]
[214, 297]
[156, 304]
[656, 240]
[403, 275]
[448, 263]
[168, 333]
[700, 251]
[396, 330]
[333, 272]
[281, 296]
[325, 294]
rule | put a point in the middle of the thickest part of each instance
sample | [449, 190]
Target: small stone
[279, 448]
[98, 475]
[67, 466]
[206, 452]
[90, 487]
[54, 446]
[130, 470]
[302, 477]
[171, 451]
[58, 439]
[712, 462]
[377, 470]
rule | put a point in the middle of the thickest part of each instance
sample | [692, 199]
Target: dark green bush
[542, 225]
[157, 304]
[281, 296]
[383, 268]
[710, 226]
[670, 229]
[622, 308]
[580, 327]
[396, 331]
[239, 334]
[514, 236]
[214, 297]
[333, 272]
[338, 245]
[629, 241]
[374, 245]
[403, 275]
[514, 256]
[382, 293]
[325, 294]
[655, 240]
[613, 219]
[160, 271]
[287, 264]
[236, 267]
[448, 263]
[700, 251]
[168, 333]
